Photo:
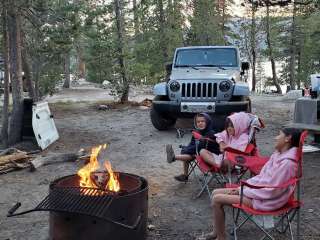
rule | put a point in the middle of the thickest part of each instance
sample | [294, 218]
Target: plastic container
[315, 82]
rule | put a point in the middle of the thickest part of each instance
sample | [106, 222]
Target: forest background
[126, 42]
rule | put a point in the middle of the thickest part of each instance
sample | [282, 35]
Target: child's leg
[220, 198]
[171, 156]
[185, 158]
[208, 157]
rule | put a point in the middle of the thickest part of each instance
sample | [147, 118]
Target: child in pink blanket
[235, 135]
[281, 167]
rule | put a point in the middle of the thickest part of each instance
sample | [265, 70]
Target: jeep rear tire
[249, 109]
[160, 122]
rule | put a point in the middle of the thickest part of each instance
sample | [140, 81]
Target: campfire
[96, 203]
[91, 177]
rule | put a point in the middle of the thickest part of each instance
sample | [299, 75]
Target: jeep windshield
[206, 57]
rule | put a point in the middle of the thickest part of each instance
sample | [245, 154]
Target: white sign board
[43, 125]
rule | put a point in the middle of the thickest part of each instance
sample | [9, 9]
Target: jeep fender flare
[160, 89]
[241, 89]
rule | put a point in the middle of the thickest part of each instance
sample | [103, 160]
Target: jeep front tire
[159, 121]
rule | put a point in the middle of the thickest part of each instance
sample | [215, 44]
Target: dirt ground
[137, 147]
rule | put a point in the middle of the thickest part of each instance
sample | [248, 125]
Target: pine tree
[204, 24]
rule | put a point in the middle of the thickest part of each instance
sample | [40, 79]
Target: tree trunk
[253, 46]
[293, 48]
[81, 66]
[299, 68]
[270, 51]
[125, 83]
[27, 75]
[36, 74]
[14, 27]
[5, 115]
[135, 18]
[223, 20]
[66, 83]
[162, 22]
[81, 63]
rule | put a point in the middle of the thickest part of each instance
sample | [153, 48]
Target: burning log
[100, 179]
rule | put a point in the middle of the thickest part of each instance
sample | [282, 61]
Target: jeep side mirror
[245, 66]
[168, 71]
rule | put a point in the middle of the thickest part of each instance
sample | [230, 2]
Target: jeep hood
[189, 73]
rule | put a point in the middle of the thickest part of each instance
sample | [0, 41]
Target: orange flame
[93, 165]
[113, 184]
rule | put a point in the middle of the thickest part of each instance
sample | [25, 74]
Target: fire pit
[81, 207]
[89, 213]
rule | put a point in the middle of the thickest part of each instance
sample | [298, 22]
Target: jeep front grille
[199, 90]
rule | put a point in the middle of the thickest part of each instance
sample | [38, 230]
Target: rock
[104, 107]
[106, 84]
[143, 107]
[146, 102]
[151, 227]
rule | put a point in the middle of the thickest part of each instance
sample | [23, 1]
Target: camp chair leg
[207, 180]
[290, 228]
[289, 216]
[180, 132]
[282, 227]
[267, 235]
[235, 222]
[192, 166]
[298, 224]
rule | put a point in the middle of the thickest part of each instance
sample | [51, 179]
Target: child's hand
[222, 146]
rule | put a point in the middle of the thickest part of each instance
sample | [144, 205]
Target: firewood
[52, 159]
[12, 166]
[13, 157]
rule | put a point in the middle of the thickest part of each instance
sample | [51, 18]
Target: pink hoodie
[241, 123]
[280, 168]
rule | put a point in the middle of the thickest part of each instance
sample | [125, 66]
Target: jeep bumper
[176, 110]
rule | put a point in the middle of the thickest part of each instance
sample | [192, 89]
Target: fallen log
[53, 159]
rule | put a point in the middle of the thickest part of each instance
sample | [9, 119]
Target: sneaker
[181, 178]
[208, 236]
[170, 153]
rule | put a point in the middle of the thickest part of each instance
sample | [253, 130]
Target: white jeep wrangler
[203, 79]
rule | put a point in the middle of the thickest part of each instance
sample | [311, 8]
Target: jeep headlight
[224, 86]
[174, 86]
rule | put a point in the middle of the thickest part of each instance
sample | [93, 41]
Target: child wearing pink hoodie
[235, 135]
[281, 167]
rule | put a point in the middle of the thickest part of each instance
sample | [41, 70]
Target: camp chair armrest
[233, 150]
[283, 185]
[198, 136]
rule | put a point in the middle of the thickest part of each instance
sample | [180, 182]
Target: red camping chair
[194, 163]
[214, 172]
[285, 213]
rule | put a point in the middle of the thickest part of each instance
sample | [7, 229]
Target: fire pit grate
[86, 201]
